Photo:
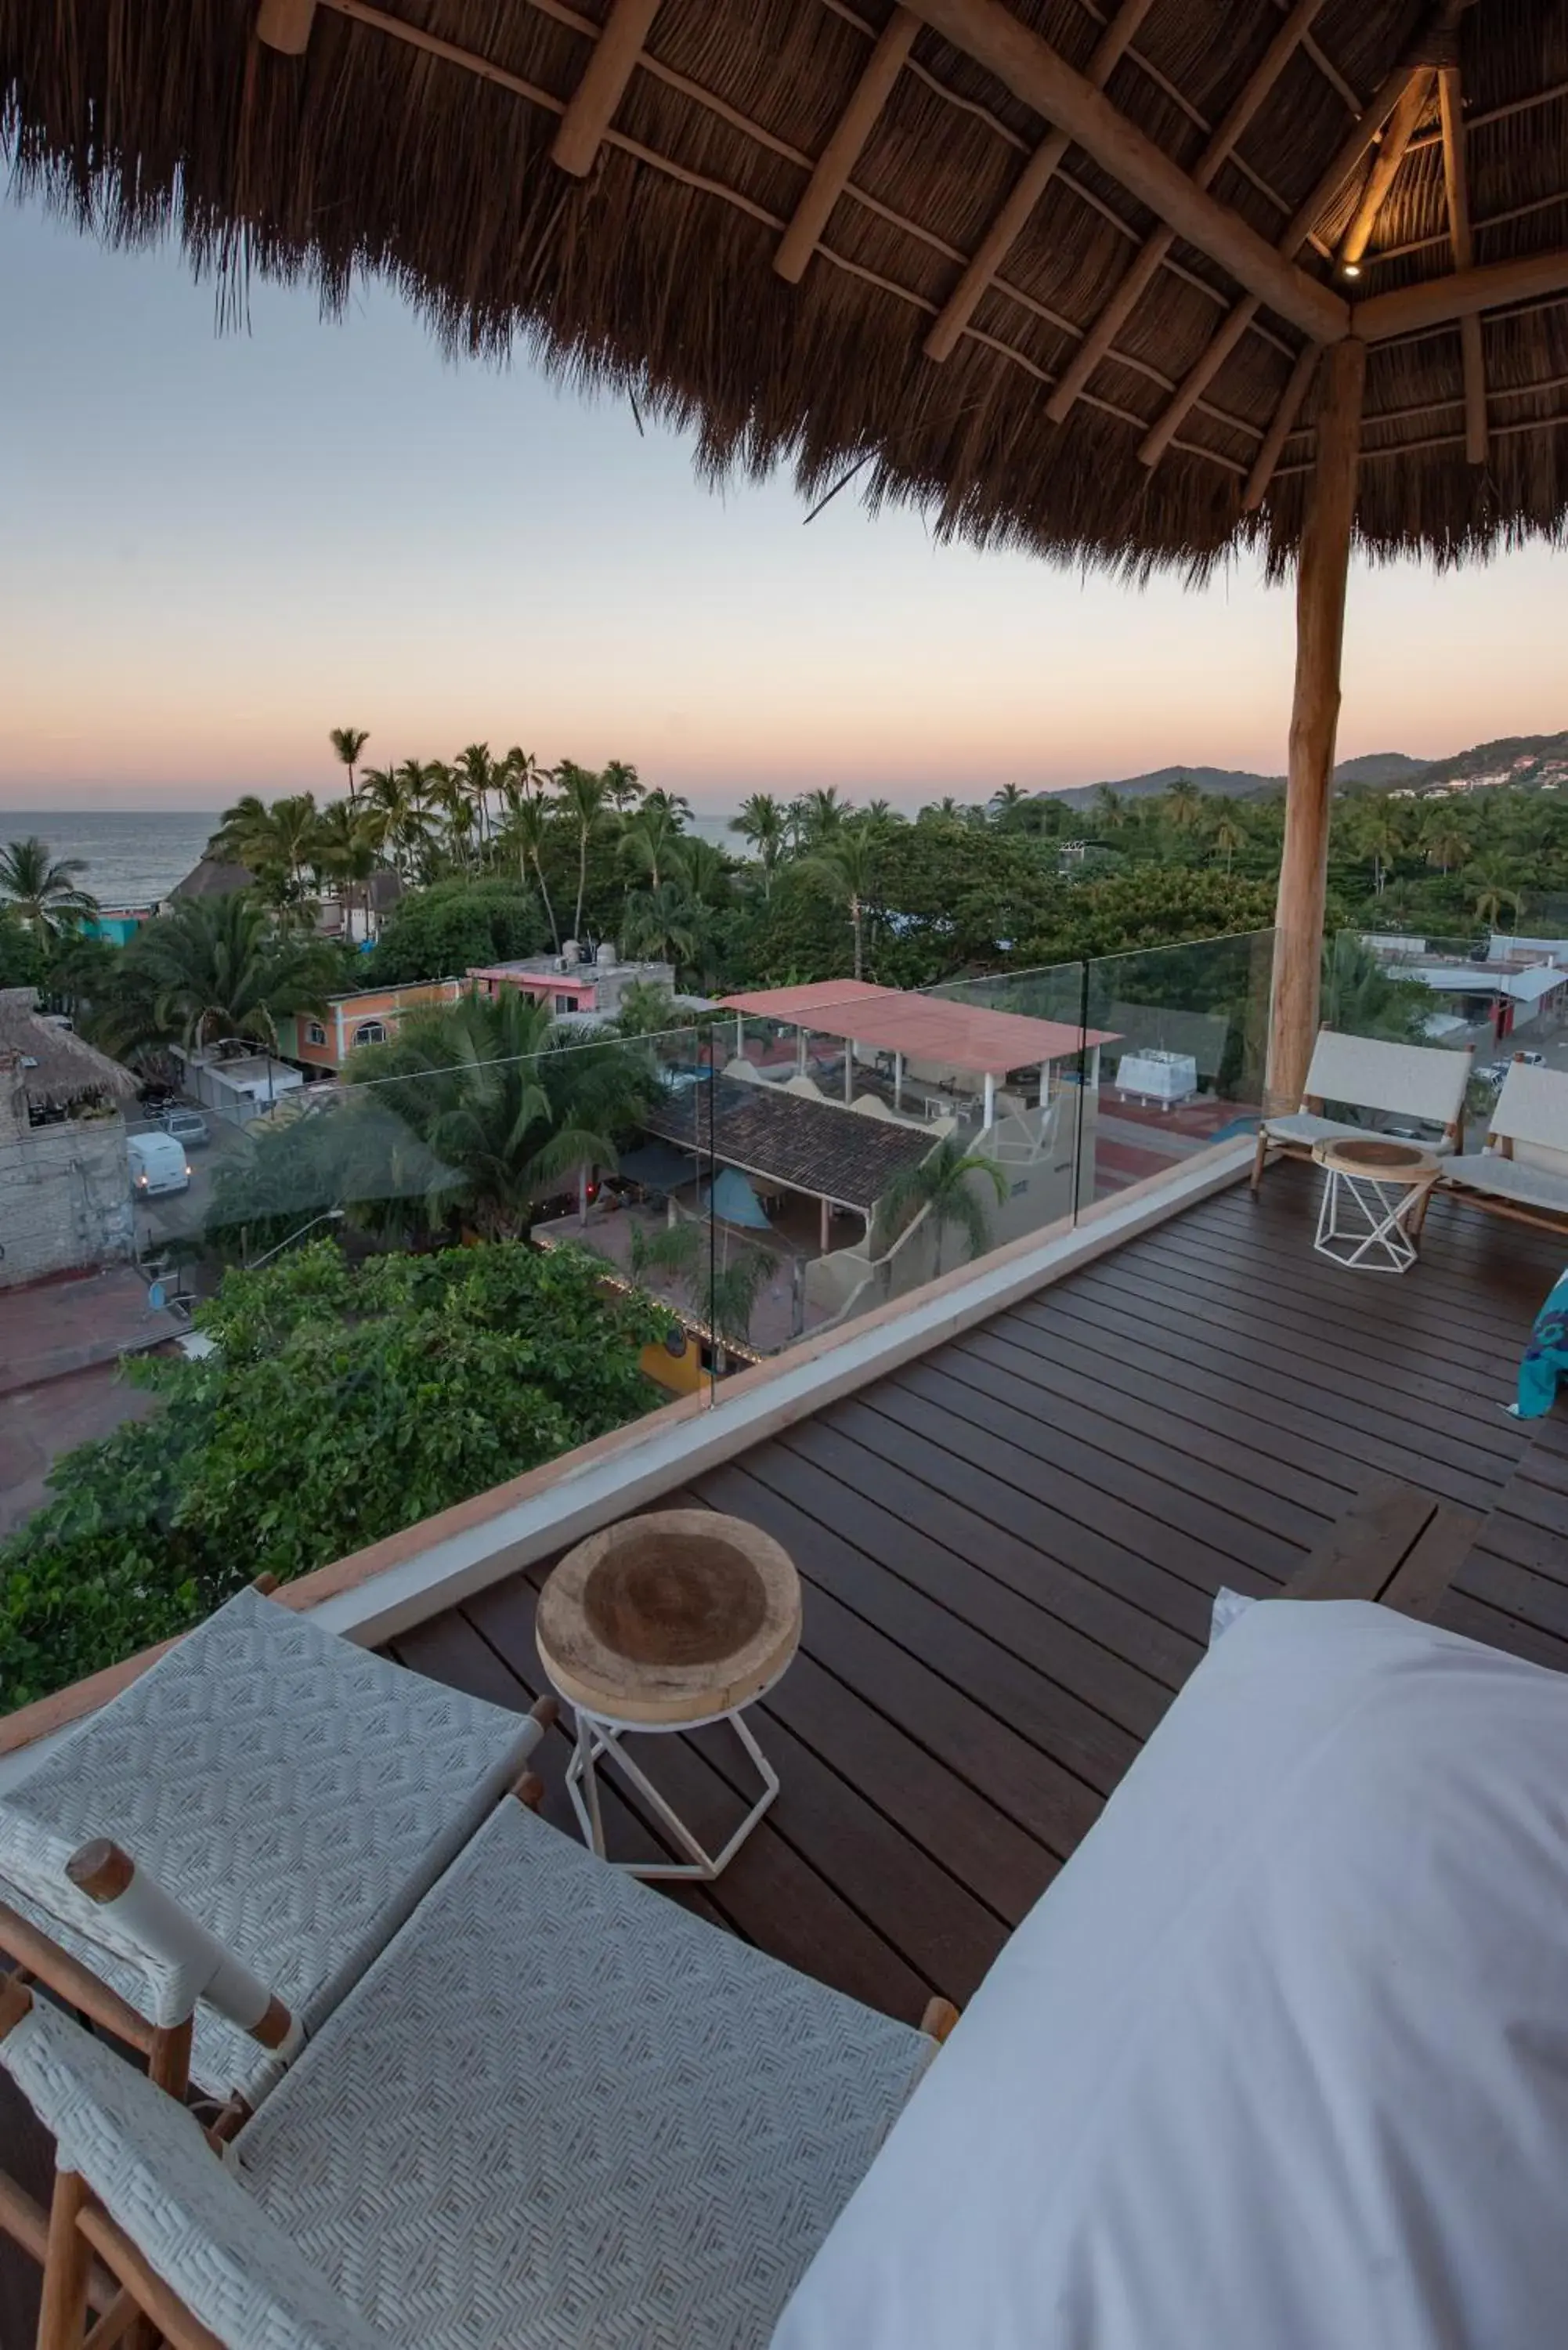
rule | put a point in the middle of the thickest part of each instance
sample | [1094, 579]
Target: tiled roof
[842, 1155]
[932, 1028]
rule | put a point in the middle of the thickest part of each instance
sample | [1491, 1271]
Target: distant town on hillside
[1522, 760]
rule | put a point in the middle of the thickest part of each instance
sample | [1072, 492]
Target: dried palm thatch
[55, 1069]
[412, 140]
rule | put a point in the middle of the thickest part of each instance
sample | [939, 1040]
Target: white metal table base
[1363, 1220]
[598, 1737]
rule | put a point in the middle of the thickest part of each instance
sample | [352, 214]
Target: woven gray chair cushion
[561, 2111]
[296, 1794]
[1305, 1127]
[146, 2159]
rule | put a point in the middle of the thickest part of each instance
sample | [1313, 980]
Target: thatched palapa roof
[52, 1065]
[1053, 269]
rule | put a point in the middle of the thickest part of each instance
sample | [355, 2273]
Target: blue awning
[734, 1201]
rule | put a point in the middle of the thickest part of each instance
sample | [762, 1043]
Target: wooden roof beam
[1378, 111]
[1115, 312]
[1028, 189]
[610, 67]
[1035, 73]
[1439, 301]
[1457, 186]
[1402, 128]
[842, 152]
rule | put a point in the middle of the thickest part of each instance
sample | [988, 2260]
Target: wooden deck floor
[1010, 1548]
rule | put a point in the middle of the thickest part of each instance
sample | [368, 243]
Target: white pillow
[1280, 2061]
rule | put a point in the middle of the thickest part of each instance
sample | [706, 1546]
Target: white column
[990, 1098]
[1095, 1068]
[897, 1081]
[848, 1070]
[1044, 1083]
[740, 1035]
[799, 1052]
[826, 1225]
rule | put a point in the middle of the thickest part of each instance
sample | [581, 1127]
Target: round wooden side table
[665, 1623]
[1373, 1197]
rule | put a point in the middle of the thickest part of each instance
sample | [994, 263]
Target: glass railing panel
[1177, 1043]
[343, 1306]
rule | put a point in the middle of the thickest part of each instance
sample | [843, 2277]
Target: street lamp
[328, 1216]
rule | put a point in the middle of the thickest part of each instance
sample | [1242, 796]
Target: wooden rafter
[1347, 157]
[1439, 301]
[1097, 344]
[1402, 128]
[1027, 191]
[1279, 431]
[842, 152]
[1024, 62]
[611, 63]
[1457, 186]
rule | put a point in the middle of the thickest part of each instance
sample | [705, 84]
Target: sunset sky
[219, 544]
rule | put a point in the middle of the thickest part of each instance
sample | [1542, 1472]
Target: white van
[157, 1164]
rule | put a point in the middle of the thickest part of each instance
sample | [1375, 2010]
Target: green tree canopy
[442, 931]
[341, 1405]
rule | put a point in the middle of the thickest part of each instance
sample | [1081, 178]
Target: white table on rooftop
[1158, 1076]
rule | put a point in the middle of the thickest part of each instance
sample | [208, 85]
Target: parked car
[1491, 1076]
[1533, 1060]
[187, 1126]
[158, 1164]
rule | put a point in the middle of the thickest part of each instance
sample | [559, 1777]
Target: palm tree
[348, 742]
[823, 815]
[622, 788]
[1110, 808]
[1492, 895]
[217, 967]
[648, 842]
[723, 1295]
[504, 1105]
[762, 821]
[1183, 805]
[1008, 807]
[1226, 834]
[402, 812]
[43, 893]
[941, 1187]
[665, 925]
[704, 868]
[478, 775]
[278, 843]
[675, 808]
[344, 850]
[580, 795]
[523, 835]
[521, 776]
[848, 866]
[1444, 839]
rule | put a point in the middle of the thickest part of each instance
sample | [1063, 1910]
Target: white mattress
[1280, 2061]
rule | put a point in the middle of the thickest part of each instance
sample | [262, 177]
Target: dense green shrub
[341, 1404]
[443, 930]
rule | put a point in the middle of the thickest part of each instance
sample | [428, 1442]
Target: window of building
[370, 1032]
[314, 1034]
[566, 1003]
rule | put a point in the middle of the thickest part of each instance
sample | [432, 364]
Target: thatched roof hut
[56, 1070]
[212, 877]
[1134, 281]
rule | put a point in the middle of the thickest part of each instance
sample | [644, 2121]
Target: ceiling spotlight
[1353, 270]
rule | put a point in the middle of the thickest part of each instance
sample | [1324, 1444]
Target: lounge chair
[1521, 1171]
[294, 1794]
[1413, 1083]
[557, 2111]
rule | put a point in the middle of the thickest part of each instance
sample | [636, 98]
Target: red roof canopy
[922, 1027]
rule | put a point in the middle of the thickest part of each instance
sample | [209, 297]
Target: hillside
[1376, 769]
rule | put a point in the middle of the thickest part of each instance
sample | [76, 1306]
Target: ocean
[134, 856]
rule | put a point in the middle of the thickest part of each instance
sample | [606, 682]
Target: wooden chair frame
[1541, 1220]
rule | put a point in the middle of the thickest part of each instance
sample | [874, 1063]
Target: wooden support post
[1028, 189]
[603, 86]
[1323, 567]
[1279, 431]
[842, 152]
[285, 25]
[1456, 184]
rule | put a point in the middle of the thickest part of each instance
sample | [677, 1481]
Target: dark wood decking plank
[996, 1722]
[1067, 1511]
[1428, 1571]
[1013, 1532]
[1464, 1611]
[1079, 1383]
[1236, 1379]
[1169, 1508]
[1489, 1575]
[1526, 1544]
[1402, 1306]
[1063, 1625]
[1364, 1551]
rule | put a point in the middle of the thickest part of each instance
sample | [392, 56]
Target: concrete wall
[65, 1193]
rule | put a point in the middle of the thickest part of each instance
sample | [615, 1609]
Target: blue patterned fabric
[1545, 1357]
